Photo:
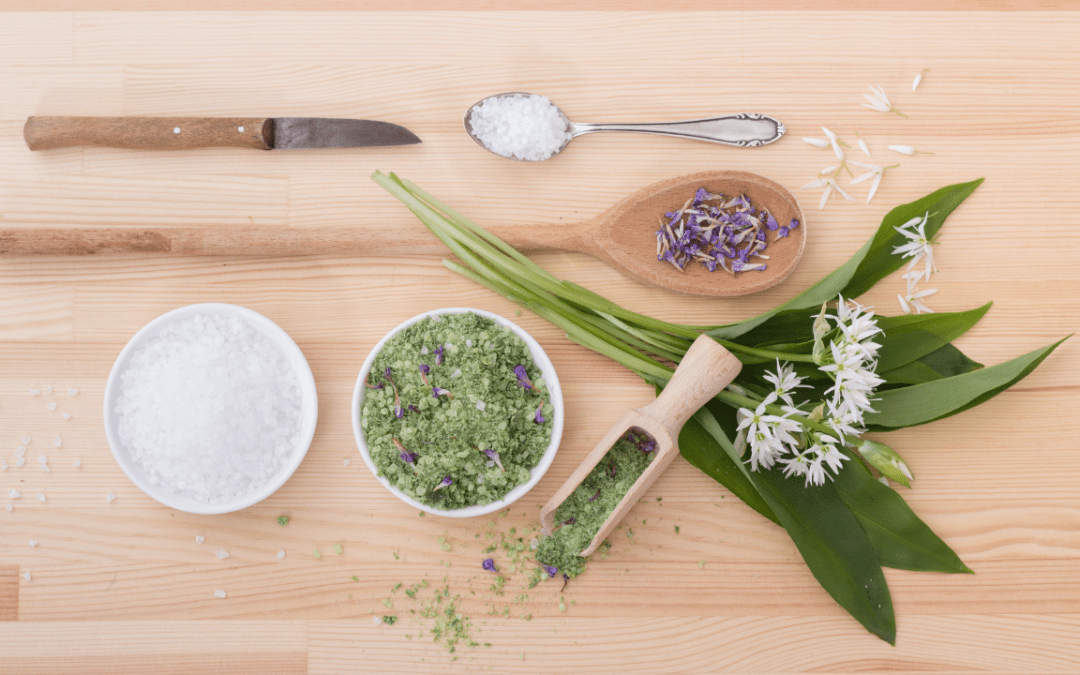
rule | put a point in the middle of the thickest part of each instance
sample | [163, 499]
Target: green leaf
[930, 401]
[940, 363]
[835, 547]
[880, 261]
[704, 451]
[870, 264]
[900, 539]
[910, 337]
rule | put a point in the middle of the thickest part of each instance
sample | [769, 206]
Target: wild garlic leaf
[943, 362]
[899, 537]
[910, 337]
[922, 403]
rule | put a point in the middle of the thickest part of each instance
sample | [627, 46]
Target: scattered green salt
[317, 554]
[471, 402]
[283, 520]
[701, 564]
[676, 529]
[389, 620]
[355, 578]
[388, 603]
[338, 549]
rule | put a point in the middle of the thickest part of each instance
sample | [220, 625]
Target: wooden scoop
[705, 370]
[624, 236]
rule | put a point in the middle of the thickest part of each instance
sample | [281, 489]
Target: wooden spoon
[624, 236]
[704, 371]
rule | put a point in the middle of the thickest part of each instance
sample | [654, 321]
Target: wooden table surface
[124, 587]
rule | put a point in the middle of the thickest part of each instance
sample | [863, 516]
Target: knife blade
[185, 133]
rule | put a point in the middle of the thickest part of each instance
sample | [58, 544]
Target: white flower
[905, 149]
[918, 79]
[833, 143]
[816, 142]
[914, 300]
[829, 184]
[765, 436]
[862, 146]
[875, 172]
[834, 458]
[815, 473]
[785, 381]
[880, 102]
[845, 365]
[918, 244]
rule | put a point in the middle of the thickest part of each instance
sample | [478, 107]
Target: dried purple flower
[489, 565]
[538, 417]
[771, 223]
[593, 498]
[404, 455]
[445, 481]
[551, 571]
[424, 370]
[569, 521]
[565, 580]
[373, 386]
[648, 447]
[414, 409]
[494, 456]
[438, 355]
[436, 392]
[388, 374]
[523, 378]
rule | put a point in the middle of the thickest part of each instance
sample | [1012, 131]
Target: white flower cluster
[787, 439]
[917, 248]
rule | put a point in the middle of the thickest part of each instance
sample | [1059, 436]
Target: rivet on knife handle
[149, 133]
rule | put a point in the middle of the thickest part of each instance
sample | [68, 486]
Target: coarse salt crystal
[480, 405]
[26, 576]
[43, 459]
[40, 497]
[423, 351]
[73, 391]
[456, 373]
[20, 451]
[66, 416]
[58, 441]
[26, 440]
[3, 465]
[346, 461]
[14, 494]
[45, 468]
[468, 343]
[219, 594]
[109, 497]
[33, 543]
[280, 555]
[52, 406]
[35, 392]
[221, 554]
[77, 463]
[199, 539]
[378, 621]
[48, 389]
[522, 127]
[9, 507]
[19, 461]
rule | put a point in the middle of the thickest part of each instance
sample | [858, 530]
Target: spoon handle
[743, 129]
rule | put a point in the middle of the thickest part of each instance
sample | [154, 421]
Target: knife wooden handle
[149, 133]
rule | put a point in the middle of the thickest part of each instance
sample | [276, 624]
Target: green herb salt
[583, 513]
[456, 413]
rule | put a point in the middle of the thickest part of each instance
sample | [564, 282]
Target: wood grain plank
[535, 5]
[9, 592]
[167, 647]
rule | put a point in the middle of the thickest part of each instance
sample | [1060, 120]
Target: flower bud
[887, 461]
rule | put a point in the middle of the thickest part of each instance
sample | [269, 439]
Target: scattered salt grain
[280, 555]
[378, 621]
[109, 497]
[346, 461]
[456, 373]
[48, 389]
[3, 465]
[19, 461]
[522, 127]
[20, 451]
[468, 343]
[73, 391]
[423, 351]
[40, 497]
[9, 507]
[221, 554]
[33, 543]
[199, 539]
[480, 405]
[35, 392]
[42, 459]
[58, 441]
[77, 463]
[66, 416]
[26, 440]
[45, 468]
[14, 494]
[219, 594]
[210, 408]
[51, 407]
[26, 576]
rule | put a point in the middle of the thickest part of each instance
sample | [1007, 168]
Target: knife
[185, 133]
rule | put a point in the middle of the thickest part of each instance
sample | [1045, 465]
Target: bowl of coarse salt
[210, 408]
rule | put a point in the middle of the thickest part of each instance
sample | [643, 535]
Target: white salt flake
[48, 390]
[45, 468]
[468, 343]
[35, 392]
[456, 373]
[26, 440]
[66, 416]
[20, 451]
[378, 621]
[9, 507]
[280, 555]
[40, 497]
[210, 408]
[423, 351]
[109, 497]
[3, 465]
[33, 543]
[221, 554]
[346, 461]
[51, 407]
[26, 576]
[480, 405]
[522, 127]
[73, 392]
[77, 463]
[199, 539]
[219, 594]
[58, 441]
[14, 494]
[43, 459]
[19, 461]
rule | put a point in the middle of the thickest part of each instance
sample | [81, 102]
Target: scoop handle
[705, 369]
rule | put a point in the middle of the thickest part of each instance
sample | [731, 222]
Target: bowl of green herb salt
[458, 412]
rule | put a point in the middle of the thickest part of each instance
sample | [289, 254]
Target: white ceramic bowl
[536, 473]
[270, 330]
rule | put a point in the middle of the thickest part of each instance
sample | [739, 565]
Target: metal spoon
[706, 368]
[742, 129]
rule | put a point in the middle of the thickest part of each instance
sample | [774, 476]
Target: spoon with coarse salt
[704, 371]
[530, 128]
